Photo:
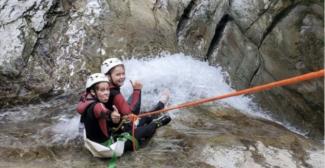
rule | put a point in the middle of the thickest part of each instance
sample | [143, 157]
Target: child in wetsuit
[114, 69]
[100, 122]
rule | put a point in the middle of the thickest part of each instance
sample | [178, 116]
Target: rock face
[48, 46]
[21, 23]
[51, 45]
[258, 42]
[295, 46]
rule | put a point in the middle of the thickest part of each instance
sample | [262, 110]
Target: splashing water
[67, 129]
[186, 78]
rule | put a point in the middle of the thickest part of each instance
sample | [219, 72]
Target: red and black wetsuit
[96, 118]
[146, 128]
[125, 108]
[98, 124]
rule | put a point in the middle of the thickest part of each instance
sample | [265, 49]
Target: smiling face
[117, 75]
[101, 91]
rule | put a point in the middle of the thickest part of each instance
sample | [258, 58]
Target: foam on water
[66, 129]
[187, 79]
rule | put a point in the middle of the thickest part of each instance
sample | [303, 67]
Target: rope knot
[132, 117]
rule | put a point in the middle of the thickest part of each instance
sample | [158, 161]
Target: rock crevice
[218, 34]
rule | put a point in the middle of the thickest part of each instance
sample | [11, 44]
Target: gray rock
[14, 39]
[237, 56]
[247, 12]
[295, 46]
[197, 25]
[256, 17]
[19, 23]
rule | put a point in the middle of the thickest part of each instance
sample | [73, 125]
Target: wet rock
[256, 18]
[279, 36]
[84, 33]
[244, 60]
[228, 139]
[17, 45]
[20, 23]
[197, 28]
[245, 12]
[289, 59]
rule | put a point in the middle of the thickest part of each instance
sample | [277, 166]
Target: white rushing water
[186, 78]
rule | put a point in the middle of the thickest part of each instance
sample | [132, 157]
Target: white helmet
[95, 78]
[110, 63]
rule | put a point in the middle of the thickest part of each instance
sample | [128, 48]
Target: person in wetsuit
[100, 121]
[114, 69]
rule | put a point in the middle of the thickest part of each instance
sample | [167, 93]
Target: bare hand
[136, 84]
[115, 115]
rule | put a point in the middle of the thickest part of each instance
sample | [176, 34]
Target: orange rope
[289, 81]
[133, 118]
[133, 137]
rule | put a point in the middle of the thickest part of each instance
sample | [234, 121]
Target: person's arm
[84, 102]
[135, 98]
[121, 105]
[135, 101]
[101, 113]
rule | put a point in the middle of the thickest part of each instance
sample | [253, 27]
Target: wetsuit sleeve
[81, 107]
[121, 105]
[101, 113]
[135, 101]
[83, 104]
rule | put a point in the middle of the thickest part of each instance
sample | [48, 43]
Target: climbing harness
[114, 129]
[134, 122]
[110, 148]
[122, 137]
[104, 151]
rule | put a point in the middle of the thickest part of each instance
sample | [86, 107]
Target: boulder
[237, 56]
[295, 46]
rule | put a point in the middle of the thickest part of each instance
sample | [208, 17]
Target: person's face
[118, 75]
[102, 92]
